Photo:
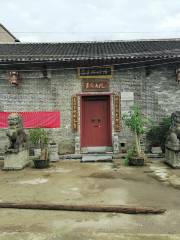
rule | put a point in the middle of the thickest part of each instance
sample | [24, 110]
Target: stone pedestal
[156, 150]
[123, 145]
[172, 157]
[77, 145]
[16, 161]
[53, 153]
[115, 144]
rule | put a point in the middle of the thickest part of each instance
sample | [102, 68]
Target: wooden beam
[84, 208]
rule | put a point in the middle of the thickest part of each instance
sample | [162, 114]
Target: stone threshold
[100, 155]
[70, 156]
[155, 155]
[97, 157]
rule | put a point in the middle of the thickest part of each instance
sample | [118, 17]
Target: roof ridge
[96, 42]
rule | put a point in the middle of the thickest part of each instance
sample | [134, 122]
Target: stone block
[123, 145]
[129, 104]
[156, 150]
[4, 142]
[96, 158]
[66, 147]
[16, 161]
[77, 145]
[97, 150]
[70, 156]
[124, 112]
[127, 96]
[172, 158]
[115, 144]
[53, 152]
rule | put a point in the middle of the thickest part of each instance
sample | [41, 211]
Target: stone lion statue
[16, 134]
[173, 138]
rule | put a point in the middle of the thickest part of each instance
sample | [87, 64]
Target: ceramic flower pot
[136, 161]
[39, 163]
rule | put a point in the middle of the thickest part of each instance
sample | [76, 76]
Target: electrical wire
[80, 32]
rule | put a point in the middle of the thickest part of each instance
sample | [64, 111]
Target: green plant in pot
[39, 139]
[135, 121]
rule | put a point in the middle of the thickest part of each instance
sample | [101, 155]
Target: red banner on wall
[34, 119]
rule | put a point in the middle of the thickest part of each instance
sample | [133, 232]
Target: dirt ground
[74, 182]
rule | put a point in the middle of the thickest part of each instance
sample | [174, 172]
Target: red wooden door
[96, 130]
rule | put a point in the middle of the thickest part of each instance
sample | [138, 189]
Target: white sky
[79, 20]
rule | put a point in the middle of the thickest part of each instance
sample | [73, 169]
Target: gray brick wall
[155, 90]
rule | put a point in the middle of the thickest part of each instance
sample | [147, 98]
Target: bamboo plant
[135, 121]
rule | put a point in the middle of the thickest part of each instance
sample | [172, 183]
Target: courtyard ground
[154, 185]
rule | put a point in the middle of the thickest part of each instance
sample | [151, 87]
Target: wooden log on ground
[83, 208]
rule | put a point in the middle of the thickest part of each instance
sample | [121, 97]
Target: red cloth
[34, 119]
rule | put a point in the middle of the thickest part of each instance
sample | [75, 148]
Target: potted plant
[39, 139]
[136, 122]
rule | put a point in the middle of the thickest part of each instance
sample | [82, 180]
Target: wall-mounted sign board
[95, 72]
[95, 85]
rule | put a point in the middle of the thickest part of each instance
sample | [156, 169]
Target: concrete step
[154, 155]
[98, 150]
[97, 158]
[70, 156]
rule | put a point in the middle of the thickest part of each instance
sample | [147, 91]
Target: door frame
[110, 111]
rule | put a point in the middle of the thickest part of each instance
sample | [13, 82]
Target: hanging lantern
[178, 75]
[14, 78]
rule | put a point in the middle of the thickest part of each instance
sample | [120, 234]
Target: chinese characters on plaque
[117, 114]
[74, 113]
[95, 72]
[95, 85]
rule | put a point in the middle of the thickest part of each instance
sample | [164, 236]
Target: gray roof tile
[90, 50]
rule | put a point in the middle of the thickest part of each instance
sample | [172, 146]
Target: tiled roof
[90, 50]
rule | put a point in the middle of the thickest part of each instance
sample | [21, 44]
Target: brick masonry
[155, 90]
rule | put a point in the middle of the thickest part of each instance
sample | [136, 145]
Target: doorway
[96, 121]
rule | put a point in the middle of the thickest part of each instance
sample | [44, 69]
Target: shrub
[157, 134]
[39, 137]
[136, 122]
[130, 153]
